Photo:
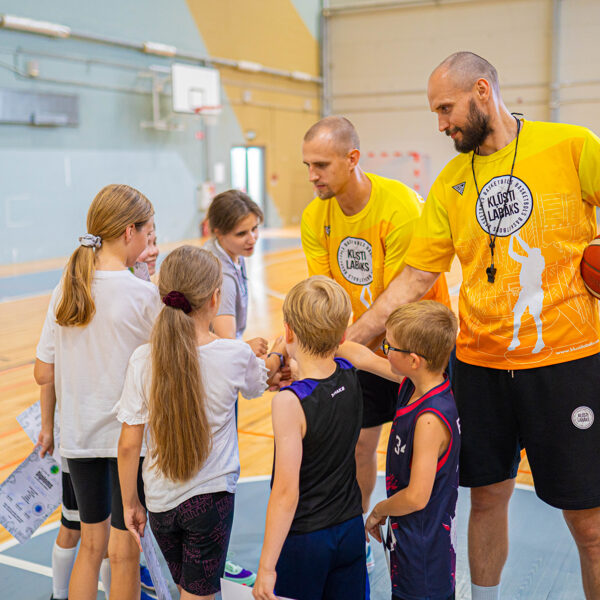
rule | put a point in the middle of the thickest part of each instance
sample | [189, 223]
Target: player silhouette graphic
[531, 295]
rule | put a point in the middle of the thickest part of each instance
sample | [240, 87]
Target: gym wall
[379, 60]
[50, 173]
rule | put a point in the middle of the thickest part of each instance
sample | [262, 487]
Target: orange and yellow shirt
[537, 312]
[365, 251]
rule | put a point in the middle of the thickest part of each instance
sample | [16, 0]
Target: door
[248, 173]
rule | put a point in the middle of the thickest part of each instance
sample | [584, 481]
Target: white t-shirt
[90, 362]
[227, 367]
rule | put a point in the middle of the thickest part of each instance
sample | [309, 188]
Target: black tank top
[329, 492]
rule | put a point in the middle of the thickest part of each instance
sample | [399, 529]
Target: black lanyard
[491, 270]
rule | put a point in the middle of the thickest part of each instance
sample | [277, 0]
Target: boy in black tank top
[314, 544]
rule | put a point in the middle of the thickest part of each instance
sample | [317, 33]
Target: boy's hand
[264, 585]
[279, 346]
[283, 376]
[372, 524]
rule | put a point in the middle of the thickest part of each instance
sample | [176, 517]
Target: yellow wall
[272, 33]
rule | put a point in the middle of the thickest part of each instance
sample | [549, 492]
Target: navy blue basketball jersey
[422, 555]
[329, 492]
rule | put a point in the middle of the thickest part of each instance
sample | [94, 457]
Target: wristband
[281, 359]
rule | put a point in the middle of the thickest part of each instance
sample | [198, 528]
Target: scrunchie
[177, 300]
[90, 241]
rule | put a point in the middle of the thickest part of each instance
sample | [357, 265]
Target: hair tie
[90, 241]
[177, 300]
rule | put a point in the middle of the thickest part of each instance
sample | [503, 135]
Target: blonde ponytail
[112, 210]
[177, 414]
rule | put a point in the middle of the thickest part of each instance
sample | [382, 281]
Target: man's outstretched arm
[409, 286]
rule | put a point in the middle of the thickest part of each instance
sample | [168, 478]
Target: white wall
[380, 60]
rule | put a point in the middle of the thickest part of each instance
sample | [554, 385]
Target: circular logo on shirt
[582, 417]
[501, 213]
[355, 259]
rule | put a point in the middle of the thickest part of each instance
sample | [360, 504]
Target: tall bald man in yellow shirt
[357, 231]
[516, 206]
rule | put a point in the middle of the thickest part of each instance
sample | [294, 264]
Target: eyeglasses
[385, 346]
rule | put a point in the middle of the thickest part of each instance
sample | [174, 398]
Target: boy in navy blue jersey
[422, 455]
[314, 546]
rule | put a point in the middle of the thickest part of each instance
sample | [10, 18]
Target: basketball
[590, 267]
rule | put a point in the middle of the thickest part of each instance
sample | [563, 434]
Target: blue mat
[542, 563]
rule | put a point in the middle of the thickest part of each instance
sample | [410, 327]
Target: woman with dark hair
[234, 218]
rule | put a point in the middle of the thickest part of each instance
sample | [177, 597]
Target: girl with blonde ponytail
[98, 315]
[181, 389]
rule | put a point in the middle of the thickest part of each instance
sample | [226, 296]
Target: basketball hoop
[210, 114]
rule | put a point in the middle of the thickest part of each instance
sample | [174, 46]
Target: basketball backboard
[196, 88]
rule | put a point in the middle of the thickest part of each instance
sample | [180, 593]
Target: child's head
[115, 208]
[189, 280]
[150, 254]
[191, 272]
[116, 211]
[317, 310]
[427, 329]
[233, 218]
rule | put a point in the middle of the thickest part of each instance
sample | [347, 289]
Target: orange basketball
[590, 267]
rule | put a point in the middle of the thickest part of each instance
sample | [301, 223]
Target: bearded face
[474, 132]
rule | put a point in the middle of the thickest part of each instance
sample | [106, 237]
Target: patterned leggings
[194, 538]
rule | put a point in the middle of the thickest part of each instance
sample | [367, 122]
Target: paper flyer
[31, 422]
[160, 583]
[29, 495]
[140, 269]
[236, 591]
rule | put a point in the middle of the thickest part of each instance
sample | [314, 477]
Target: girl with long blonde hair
[181, 389]
[98, 314]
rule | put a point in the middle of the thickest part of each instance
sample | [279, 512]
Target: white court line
[525, 486]
[254, 478]
[25, 565]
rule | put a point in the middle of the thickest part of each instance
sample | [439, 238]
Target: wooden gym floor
[277, 265]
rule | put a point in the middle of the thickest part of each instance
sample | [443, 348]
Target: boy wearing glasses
[423, 449]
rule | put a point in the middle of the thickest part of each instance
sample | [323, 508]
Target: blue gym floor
[542, 563]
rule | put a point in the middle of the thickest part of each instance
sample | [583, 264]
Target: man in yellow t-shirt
[357, 231]
[517, 208]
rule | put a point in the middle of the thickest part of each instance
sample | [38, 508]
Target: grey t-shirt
[234, 291]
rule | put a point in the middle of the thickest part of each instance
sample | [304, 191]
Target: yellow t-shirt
[537, 312]
[365, 251]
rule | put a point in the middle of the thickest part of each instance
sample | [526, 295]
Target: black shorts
[70, 513]
[194, 538]
[380, 397]
[97, 489]
[553, 412]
